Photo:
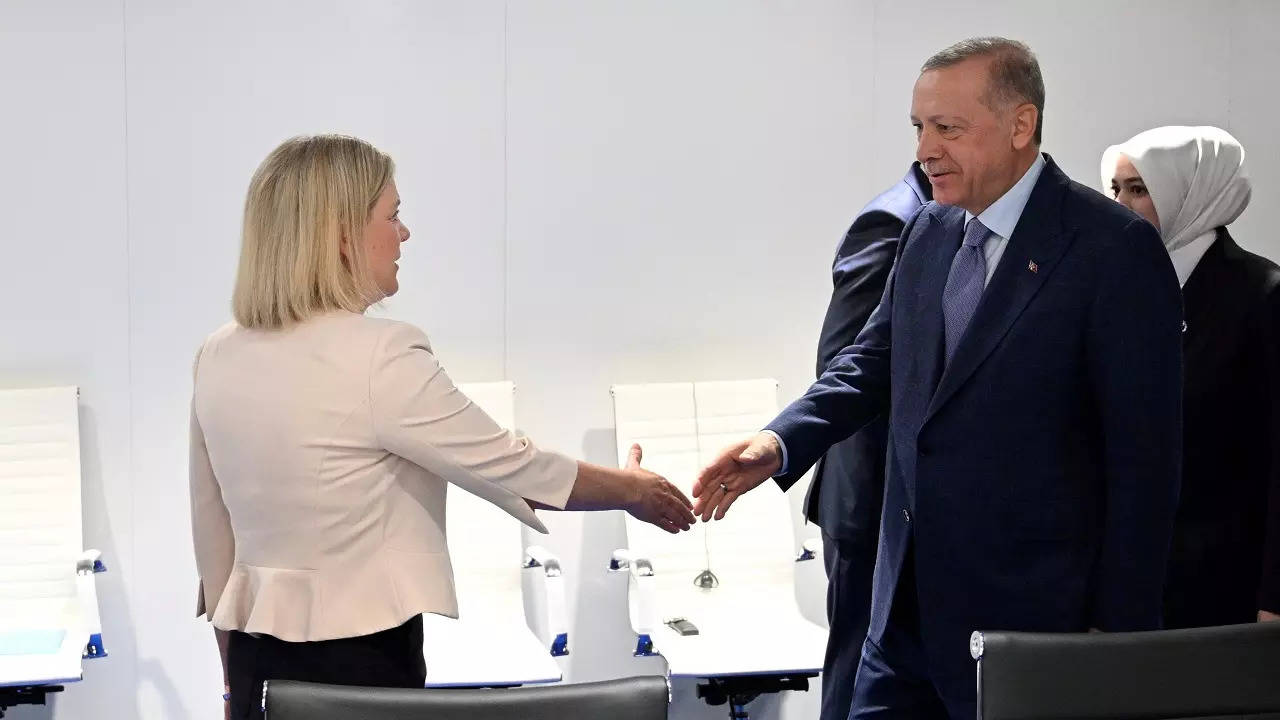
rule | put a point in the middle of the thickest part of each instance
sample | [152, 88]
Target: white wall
[65, 281]
[599, 192]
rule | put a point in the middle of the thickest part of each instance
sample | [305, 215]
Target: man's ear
[1025, 118]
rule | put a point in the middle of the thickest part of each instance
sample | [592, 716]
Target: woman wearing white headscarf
[1190, 182]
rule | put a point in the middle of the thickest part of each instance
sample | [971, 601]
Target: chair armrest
[809, 550]
[645, 610]
[536, 556]
[90, 561]
[624, 560]
[87, 566]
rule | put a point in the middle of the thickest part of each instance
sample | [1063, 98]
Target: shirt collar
[1001, 217]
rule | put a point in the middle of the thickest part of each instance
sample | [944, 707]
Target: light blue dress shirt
[1002, 216]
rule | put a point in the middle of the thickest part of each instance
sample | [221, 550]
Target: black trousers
[850, 566]
[390, 658]
[893, 681]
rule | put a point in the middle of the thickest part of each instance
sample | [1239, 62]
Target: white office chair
[490, 644]
[49, 618]
[734, 579]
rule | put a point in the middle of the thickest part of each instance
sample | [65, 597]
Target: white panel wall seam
[506, 185]
[125, 565]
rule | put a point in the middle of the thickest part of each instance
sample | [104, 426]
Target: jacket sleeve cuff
[783, 448]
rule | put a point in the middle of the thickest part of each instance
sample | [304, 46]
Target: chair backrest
[1207, 673]
[40, 523]
[485, 545]
[640, 698]
[758, 533]
[682, 427]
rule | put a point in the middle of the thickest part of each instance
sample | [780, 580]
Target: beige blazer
[319, 457]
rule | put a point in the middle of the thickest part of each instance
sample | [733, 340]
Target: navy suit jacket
[1036, 475]
[848, 484]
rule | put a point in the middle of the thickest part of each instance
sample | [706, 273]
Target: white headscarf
[1197, 180]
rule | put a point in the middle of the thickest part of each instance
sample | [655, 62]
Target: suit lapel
[918, 305]
[947, 234]
[1029, 258]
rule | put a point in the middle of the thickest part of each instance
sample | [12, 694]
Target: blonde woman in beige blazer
[322, 441]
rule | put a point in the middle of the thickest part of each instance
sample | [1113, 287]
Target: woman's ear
[344, 248]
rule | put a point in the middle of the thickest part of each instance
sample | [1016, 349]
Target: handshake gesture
[739, 468]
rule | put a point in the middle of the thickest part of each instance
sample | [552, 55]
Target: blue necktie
[965, 283]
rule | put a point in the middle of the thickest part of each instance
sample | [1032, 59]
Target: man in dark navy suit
[1027, 350]
[848, 483]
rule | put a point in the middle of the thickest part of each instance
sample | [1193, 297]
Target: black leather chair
[1210, 673]
[639, 698]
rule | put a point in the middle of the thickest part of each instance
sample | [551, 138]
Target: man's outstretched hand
[739, 468]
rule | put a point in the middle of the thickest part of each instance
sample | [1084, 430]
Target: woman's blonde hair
[306, 197]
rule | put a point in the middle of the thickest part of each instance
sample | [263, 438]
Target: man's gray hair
[1015, 72]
